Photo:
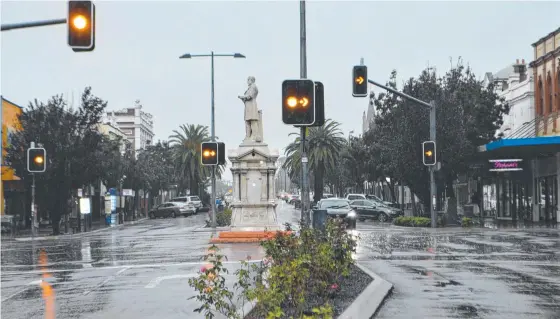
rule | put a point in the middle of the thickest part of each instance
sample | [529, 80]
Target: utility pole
[433, 213]
[33, 210]
[303, 75]
[432, 107]
[213, 132]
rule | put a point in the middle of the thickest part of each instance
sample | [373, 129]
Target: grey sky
[138, 45]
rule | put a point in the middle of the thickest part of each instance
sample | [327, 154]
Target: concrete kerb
[203, 229]
[364, 306]
[81, 233]
[370, 300]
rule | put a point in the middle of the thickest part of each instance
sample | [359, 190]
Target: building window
[540, 106]
[558, 88]
[550, 92]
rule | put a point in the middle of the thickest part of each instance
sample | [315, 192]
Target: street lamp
[212, 128]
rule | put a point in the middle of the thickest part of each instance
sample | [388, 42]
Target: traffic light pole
[22, 25]
[432, 107]
[213, 132]
[33, 211]
[303, 74]
[433, 167]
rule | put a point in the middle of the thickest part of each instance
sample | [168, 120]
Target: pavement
[142, 271]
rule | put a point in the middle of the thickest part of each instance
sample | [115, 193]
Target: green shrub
[294, 268]
[411, 221]
[467, 222]
[223, 218]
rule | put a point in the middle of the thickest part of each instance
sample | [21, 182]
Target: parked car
[352, 197]
[377, 199]
[368, 209]
[293, 198]
[172, 209]
[195, 200]
[340, 208]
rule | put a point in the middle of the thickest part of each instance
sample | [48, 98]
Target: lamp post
[212, 127]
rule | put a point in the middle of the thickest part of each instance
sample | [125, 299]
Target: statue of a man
[252, 123]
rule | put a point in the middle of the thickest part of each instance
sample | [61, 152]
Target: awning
[522, 143]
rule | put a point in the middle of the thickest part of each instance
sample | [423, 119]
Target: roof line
[545, 37]
[5, 99]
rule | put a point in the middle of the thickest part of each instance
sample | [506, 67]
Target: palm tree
[323, 145]
[186, 155]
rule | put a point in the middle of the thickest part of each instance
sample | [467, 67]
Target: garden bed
[349, 289]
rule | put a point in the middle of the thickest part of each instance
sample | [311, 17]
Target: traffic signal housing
[209, 153]
[298, 102]
[319, 104]
[359, 81]
[429, 153]
[221, 153]
[81, 25]
[36, 160]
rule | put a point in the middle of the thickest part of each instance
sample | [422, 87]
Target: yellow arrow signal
[360, 80]
[304, 102]
[428, 153]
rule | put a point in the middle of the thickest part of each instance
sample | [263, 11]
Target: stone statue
[252, 117]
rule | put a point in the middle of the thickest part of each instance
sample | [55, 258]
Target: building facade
[12, 192]
[527, 160]
[137, 125]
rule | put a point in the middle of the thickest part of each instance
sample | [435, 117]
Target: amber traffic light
[81, 25]
[36, 160]
[429, 153]
[213, 153]
[298, 102]
[359, 81]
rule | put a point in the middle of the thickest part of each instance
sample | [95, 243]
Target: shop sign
[506, 165]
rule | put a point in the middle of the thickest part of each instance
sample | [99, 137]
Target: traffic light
[359, 81]
[319, 104]
[36, 160]
[81, 25]
[429, 153]
[209, 153]
[298, 102]
[221, 153]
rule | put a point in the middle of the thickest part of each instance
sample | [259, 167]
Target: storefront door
[548, 191]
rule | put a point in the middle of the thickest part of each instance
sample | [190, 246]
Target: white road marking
[195, 263]
[158, 280]
[15, 294]
[106, 281]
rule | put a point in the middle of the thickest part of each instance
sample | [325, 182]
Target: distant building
[12, 196]
[137, 125]
[109, 127]
[515, 84]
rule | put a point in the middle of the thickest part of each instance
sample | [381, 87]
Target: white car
[194, 200]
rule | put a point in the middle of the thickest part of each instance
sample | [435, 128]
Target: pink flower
[334, 286]
[203, 269]
[248, 257]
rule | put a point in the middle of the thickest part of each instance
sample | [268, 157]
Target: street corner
[370, 301]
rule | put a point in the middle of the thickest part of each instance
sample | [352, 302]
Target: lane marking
[87, 292]
[194, 263]
[158, 280]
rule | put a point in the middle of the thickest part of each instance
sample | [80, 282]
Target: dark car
[171, 209]
[338, 208]
[374, 198]
[368, 209]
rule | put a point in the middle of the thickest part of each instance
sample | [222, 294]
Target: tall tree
[323, 147]
[155, 167]
[186, 155]
[71, 139]
[468, 115]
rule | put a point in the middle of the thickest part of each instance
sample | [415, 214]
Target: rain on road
[141, 271]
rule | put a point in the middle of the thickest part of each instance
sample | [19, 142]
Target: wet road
[141, 271]
[456, 273]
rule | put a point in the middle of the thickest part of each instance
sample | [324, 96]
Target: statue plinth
[253, 169]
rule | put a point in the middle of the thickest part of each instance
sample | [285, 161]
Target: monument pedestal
[254, 207]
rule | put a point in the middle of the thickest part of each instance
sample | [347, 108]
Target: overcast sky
[138, 44]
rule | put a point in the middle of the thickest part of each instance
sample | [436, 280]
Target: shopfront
[524, 187]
